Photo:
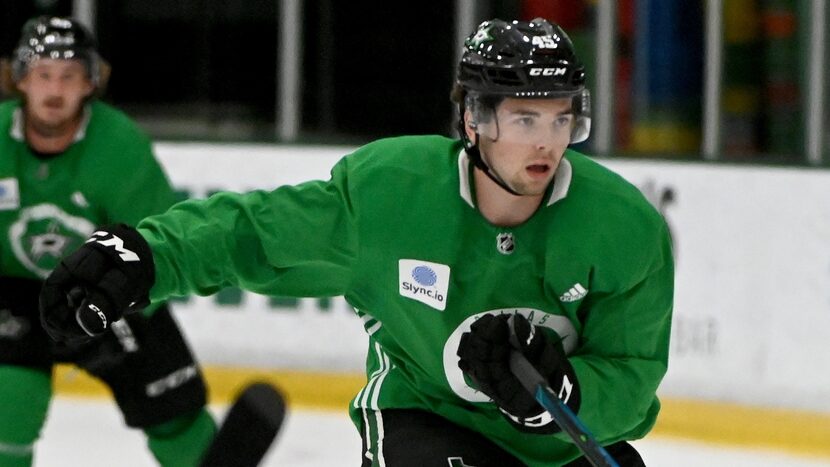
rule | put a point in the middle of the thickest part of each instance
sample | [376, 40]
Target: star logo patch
[481, 36]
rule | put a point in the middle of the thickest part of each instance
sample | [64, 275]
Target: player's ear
[104, 72]
[8, 87]
[89, 88]
[22, 86]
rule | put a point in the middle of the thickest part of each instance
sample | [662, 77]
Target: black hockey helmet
[57, 38]
[522, 59]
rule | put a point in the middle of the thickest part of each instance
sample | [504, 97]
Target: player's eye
[563, 120]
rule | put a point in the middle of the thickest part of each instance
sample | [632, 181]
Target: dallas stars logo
[43, 233]
[481, 36]
[51, 243]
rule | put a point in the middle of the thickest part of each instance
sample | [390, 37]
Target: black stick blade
[249, 428]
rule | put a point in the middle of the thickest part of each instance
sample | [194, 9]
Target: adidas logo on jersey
[574, 293]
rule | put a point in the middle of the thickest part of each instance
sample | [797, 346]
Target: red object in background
[625, 15]
[570, 14]
[625, 72]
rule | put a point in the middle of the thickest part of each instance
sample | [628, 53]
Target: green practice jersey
[396, 231]
[50, 206]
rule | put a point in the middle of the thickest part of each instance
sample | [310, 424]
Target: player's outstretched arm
[109, 275]
[484, 355]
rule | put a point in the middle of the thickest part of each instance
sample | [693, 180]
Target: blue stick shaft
[561, 413]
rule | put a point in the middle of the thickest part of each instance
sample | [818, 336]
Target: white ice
[89, 433]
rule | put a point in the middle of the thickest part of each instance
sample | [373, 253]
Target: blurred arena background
[716, 109]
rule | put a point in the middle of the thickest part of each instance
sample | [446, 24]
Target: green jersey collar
[561, 180]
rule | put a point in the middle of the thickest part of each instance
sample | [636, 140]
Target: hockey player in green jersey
[68, 163]
[444, 248]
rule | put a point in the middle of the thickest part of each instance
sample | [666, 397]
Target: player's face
[55, 91]
[525, 141]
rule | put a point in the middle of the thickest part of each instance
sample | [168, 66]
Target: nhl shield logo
[505, 243]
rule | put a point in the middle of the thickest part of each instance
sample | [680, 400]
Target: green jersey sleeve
[293, 241]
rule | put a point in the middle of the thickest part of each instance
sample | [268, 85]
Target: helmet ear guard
[582, 129]
[481, 107]
[582, 111]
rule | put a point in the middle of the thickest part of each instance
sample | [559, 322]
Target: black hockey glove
[109, 275]
[484, 355]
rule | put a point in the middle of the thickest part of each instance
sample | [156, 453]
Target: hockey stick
[561, 413]
[250, 426]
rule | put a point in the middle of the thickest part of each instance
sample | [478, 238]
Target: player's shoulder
[610, 215]
[7, 109]
[609, 192]
[113, 144]
[7, 106]
[587, 170]
[116, 124]
[412, 153]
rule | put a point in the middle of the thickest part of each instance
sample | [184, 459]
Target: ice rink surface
[89, 433]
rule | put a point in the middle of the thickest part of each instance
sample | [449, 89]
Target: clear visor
[528, 126]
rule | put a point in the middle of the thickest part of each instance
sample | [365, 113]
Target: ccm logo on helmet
[558, 71]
